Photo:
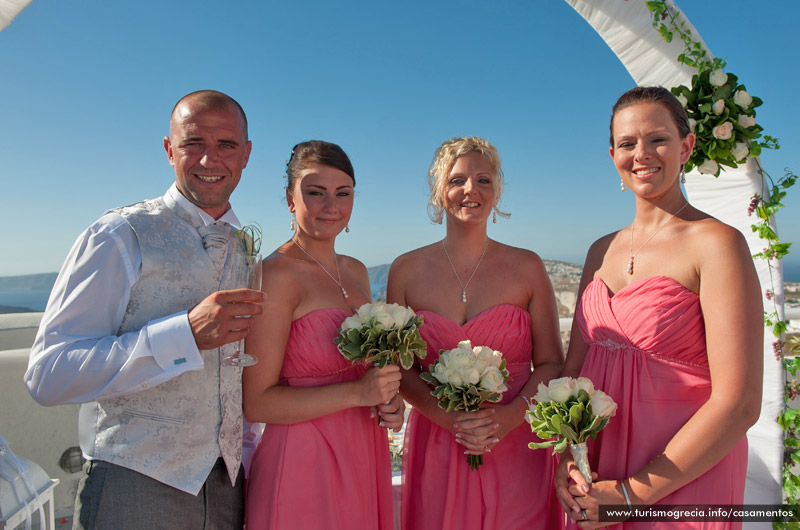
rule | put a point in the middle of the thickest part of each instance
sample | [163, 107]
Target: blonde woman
[468, 286]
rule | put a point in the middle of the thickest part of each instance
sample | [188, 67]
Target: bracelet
[526, 400]
[625, 492]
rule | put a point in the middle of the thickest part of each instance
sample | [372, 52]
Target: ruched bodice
[647, 350]
[655, 315]
[311, 357]
[512, 489]
[304, 475]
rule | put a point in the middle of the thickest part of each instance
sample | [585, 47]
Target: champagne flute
[253, 281]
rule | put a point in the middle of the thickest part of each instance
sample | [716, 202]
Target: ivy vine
[765, 206]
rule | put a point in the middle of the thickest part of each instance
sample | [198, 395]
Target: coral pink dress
[331, 472]
[647, 350]
[513, 487]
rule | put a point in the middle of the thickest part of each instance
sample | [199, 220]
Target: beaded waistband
[615, 346]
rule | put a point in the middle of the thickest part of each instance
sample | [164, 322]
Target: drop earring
[347, 228]
[291, 224]
[494, 217]
[621, 185]
[683, 175]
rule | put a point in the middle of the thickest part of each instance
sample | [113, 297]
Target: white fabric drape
[10, 9]
[627, 29]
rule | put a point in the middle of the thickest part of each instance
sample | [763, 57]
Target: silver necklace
[629, 270]
[464, 285]
[337, 282]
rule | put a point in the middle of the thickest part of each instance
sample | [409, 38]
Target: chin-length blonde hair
[443, 161]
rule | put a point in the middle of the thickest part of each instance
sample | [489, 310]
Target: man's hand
[224, 317]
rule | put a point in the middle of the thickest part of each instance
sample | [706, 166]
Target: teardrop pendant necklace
[629, 270]
[337, 282]
[464, 285]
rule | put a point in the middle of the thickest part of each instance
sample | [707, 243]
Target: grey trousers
[111, 497]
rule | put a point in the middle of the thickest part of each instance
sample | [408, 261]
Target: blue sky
[87, 88]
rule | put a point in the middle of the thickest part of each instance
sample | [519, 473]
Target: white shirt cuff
[172, 343]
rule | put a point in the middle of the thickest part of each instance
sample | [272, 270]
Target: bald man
[143, 311]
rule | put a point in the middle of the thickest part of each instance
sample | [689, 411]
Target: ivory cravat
[215, 241]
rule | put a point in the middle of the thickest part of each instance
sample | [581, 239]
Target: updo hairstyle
[652, 94]
[314, 153]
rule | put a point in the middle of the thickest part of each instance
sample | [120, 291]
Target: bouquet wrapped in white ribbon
[567, 413]
[466, 377]
[382, 334]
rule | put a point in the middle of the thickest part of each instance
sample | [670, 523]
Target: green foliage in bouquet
[382, 334]
[561, 424]
[468, 398]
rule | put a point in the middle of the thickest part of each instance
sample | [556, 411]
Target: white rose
[742, 98]
[692, 124]
[383, 320]
[746, 120]
[542, 394]
[440, 372]
[493, 380]
[718, 78]
[459, 357]
[469, 375]
[724, 131]
[400, 315]
[718, 106]
[452, 376]
[740, 151]
[584, 383]
[683, 100]
[352, 322]
[603, 405]
[561, 389]
[483, 358]
[368, 310]
[709, 167]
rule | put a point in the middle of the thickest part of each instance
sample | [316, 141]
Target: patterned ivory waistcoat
[174, 431]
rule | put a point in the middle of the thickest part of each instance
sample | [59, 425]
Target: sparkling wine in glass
[252, 281]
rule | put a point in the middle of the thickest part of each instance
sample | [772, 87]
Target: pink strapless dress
[647, 350]
[513, 488]
[330, 473]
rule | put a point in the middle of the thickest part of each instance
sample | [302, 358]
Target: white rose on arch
[708, 167]
[746, 120]
[740, 151]
[718, 78]
[724, 131]
[742, 98]
[692, 124]
[718, 106]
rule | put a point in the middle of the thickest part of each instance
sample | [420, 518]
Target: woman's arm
[264, 400]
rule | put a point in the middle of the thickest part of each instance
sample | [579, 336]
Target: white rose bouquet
[382, 334]
[568, 412]
[724, 121]
[465, 377]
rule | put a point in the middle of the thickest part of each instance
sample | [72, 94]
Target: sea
[35, 300]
